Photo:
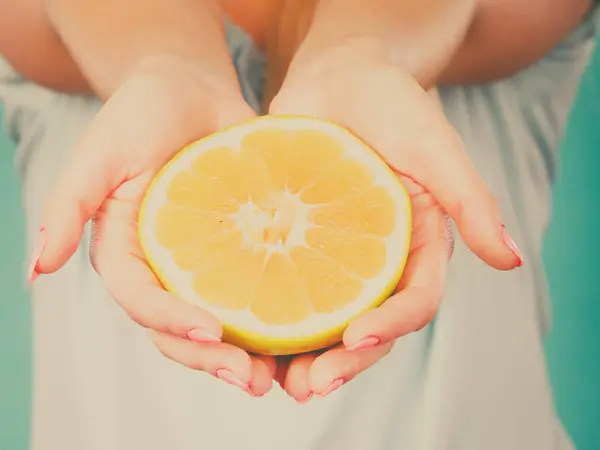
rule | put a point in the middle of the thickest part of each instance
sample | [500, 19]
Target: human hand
[155, 113]
[354, 85]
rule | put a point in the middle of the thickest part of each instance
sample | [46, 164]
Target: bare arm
[33, 48]
[491, 49]
[66, 45]
[508, 36]
[503, 37]
[421, 37]
[110, 39]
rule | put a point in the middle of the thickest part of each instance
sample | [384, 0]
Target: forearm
[508, 36]
[419, 36]
[502, 38]
[31, 46]
[111, 39]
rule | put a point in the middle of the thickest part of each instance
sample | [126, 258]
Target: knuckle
[188, 357]
[194, 363]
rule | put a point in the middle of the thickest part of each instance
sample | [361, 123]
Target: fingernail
[304, 400]
[231, 378]
[508, 241]
[38, 249]
[335, 385]
[201, 335]
[363, 344]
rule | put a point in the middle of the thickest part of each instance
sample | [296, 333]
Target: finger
[429, 151]
[263, 370]
[96, 168]
[283, 363]
[441, 165]
[437, 160]
[84, 184]
[116, 255]
[270, 362]
[448, 173]
[419, 293]
[296, 381]
[339, 366]
[227, 362]
[124, 140]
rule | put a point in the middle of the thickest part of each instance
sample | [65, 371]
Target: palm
[137, 131]
[148, 120]
[154, 115]
[392, 113]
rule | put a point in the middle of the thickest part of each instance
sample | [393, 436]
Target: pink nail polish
[202, 336]
[38, 249]
[508, 241]
[335, 385]
[229, 377]
[365, 343]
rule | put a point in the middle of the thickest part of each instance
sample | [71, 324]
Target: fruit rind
[251, 340]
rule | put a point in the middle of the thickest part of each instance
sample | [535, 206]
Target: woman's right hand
[155, 113]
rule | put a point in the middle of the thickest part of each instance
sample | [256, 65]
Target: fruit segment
[221, 165]
[294, 158]
[361, 254]
[367, 211]
[191, 190]
[329, 286]
[259, 185]
[280, 298]
[339, 179]
[176, 225]
[271, 145]
[229, 214]
[205, 251]
[231, 283]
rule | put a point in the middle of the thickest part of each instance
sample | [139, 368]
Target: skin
[490, 50]
[164, 90]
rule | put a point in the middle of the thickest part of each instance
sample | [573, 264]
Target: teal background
[572, 252]
[572, 255]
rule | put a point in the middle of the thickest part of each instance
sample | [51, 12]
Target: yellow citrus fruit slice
[285, 228]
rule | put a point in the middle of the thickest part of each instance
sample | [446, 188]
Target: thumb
[443, 168]
[438, 163]
[99, 166]
[90, 176]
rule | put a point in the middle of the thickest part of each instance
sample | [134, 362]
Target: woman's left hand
[353, 84]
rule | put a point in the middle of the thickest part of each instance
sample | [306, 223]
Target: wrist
[185, 78]
[142, 33]
[330, 75]
[314, 61]
[185, 74]
[419, 38]
[194, 70]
